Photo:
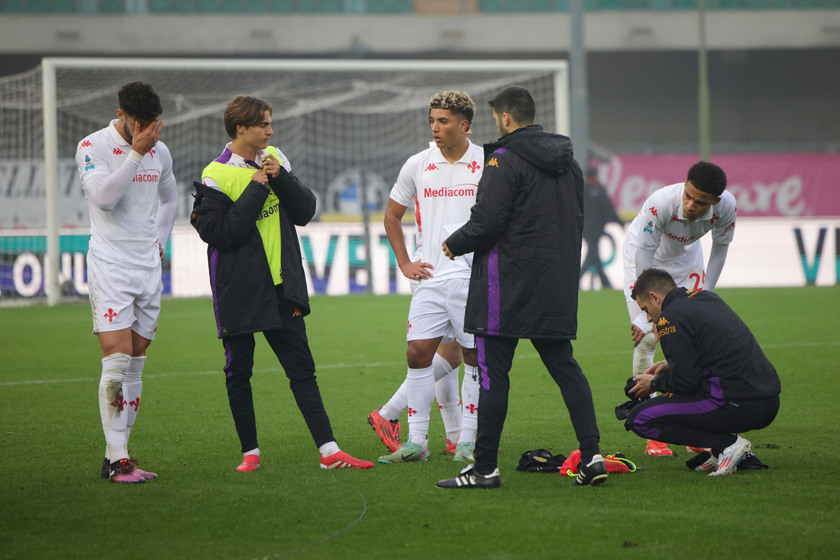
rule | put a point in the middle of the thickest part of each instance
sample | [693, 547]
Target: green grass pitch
[54, 505]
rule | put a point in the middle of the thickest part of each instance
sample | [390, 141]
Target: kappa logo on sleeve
[86, 144]
[493, 162]
[653, 211]
[664, 327]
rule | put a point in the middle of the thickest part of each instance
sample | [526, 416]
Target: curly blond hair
[457, 102]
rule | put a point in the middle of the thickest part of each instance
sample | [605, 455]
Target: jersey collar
[115, 135]
[438, 157]
[230, 158]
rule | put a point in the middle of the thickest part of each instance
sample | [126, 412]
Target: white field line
[368, 365]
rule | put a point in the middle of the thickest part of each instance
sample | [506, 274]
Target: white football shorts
[122, 297]
[437, 309]
[687, 271]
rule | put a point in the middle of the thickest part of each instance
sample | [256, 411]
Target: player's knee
[418, 357]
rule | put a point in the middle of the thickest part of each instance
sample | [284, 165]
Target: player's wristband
[135, 155]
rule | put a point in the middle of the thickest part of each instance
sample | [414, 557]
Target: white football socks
[396, 405]
[112, 405]
[643, 354]
[446, 393]
[420, 386]
[329, 448]
[469, 400]
[133, 389]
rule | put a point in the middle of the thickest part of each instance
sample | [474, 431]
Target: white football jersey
[126, 235]
[661, 224]
[445, 193]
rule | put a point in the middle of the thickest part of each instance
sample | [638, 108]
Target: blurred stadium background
[772, 74]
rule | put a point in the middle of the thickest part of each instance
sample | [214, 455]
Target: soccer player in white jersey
[132, 198]
[444, 180]
[447, 361]
[665, 235]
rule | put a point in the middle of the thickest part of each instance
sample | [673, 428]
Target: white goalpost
[346, 125]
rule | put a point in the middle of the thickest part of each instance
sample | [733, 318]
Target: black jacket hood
[551, 153]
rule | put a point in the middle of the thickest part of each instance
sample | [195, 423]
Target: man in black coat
[246, 209]
[715, 381]
[525, 230]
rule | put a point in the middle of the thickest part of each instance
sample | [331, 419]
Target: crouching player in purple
[715, 382]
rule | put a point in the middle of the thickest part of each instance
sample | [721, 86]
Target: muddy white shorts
[122, 297]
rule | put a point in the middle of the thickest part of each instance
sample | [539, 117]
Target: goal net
[346, 126]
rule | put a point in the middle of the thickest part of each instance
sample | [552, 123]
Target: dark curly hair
[457, 102]
[140, 101]
[707, 177]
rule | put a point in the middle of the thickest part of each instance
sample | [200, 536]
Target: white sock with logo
[133, 389]
[112, 405]
[469, 400]
[446, 393]
[420, 385]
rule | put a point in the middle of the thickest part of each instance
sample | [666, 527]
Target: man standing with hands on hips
[525, 230]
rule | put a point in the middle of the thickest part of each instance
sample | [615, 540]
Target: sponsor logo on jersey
[270, 211]
[649, 227]
[493, 162]
[89, 164]
[432, 167]
[467, 190]
[687, 239]
[473, 167]
[118, 152]
[653, 211]
[146, 178]
[86, 144]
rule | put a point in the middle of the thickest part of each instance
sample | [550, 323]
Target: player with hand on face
[665, 235]
[441, 181]
[132, 198]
